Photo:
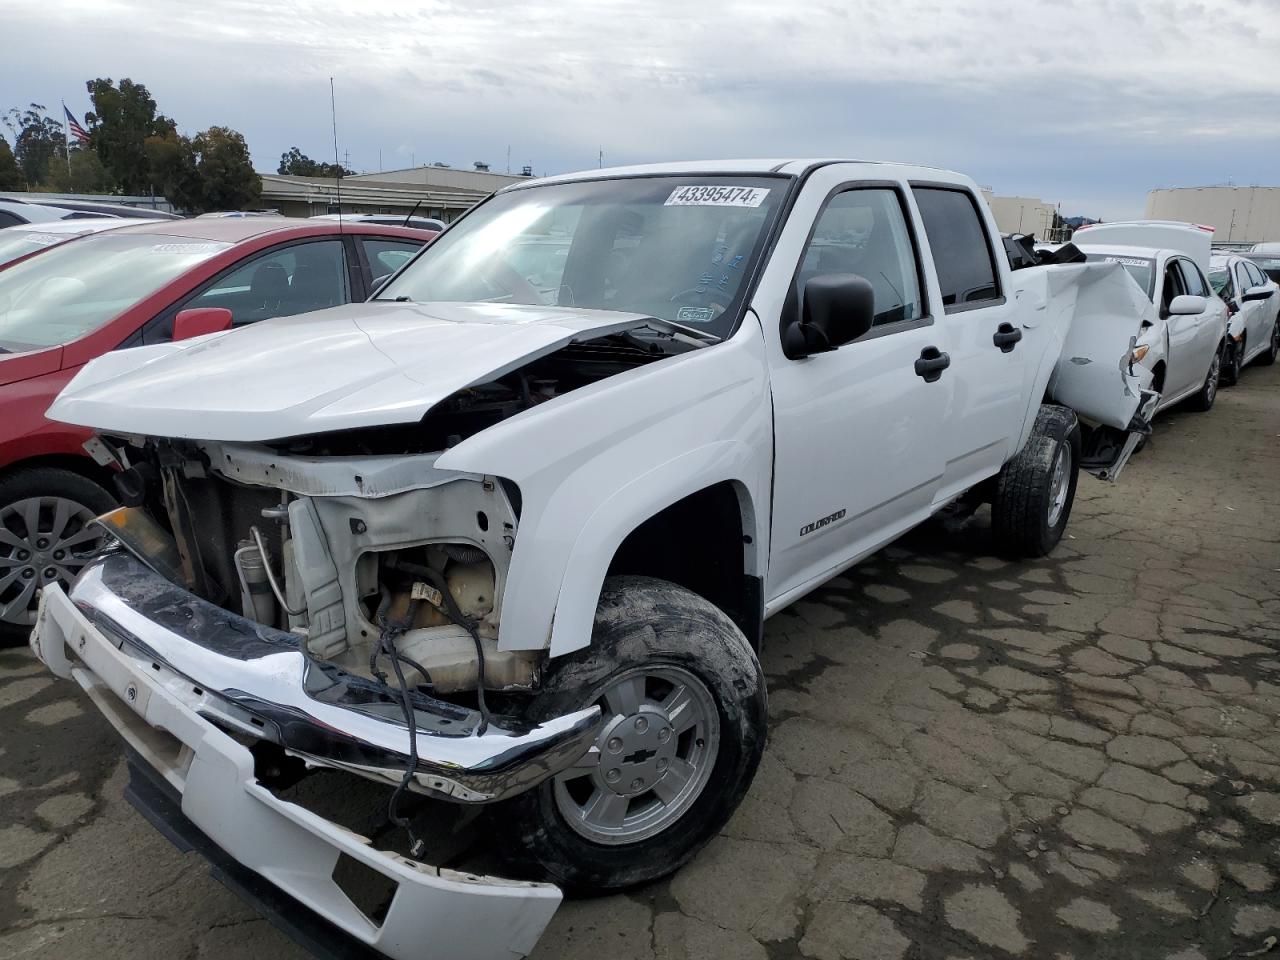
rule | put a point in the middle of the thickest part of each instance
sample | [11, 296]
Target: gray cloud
[1090, 102]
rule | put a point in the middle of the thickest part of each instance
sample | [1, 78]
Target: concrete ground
[968, 758]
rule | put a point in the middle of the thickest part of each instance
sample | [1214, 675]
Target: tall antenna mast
[333, 114]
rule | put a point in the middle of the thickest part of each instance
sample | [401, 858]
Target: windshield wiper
[670, 326]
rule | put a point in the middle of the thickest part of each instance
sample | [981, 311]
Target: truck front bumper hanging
[177, 676]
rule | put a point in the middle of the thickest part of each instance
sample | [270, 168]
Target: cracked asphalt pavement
[1072, 758]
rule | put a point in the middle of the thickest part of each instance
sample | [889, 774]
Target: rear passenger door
[983, 333]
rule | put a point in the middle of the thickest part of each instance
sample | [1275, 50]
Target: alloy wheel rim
[1211, 384]
[1059, 484]
[651, 760]
[43, 540]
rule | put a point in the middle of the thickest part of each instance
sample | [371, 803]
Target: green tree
[227, 177]
[298, 164]
[122, 119]
[10, 174]
[86, 174]
[171, 161]
[37, 140]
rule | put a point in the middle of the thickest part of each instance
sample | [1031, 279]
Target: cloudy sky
[1085, 102]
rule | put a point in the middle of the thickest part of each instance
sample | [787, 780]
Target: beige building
[1237, 214]
[1022, 215]
[441, 192]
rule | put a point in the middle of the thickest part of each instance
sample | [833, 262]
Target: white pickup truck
[508, 533]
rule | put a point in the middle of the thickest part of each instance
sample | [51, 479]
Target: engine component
[256, 597]
[471, 586]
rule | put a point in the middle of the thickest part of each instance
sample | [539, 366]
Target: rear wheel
[684, 726]
[44, 538]
[1036, 489]
[1268, 356]
[1208, 392]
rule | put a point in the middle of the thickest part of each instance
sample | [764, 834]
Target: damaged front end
[292, 572]
[335, 598]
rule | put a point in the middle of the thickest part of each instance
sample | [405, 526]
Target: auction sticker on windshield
[695, 195]
[1129, 261]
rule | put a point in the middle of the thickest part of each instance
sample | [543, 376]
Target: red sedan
[131, 287]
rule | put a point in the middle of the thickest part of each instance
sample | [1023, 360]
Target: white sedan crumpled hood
[360, 365]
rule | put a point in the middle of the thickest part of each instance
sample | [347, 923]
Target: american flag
[77, 131]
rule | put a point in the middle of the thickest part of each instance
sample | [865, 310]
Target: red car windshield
[75, 288]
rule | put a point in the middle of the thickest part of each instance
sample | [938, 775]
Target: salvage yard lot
[1075, 757]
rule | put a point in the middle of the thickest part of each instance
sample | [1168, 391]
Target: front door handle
[1006, 337]
[931, 364]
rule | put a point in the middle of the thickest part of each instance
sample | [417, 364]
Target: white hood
[360, 365]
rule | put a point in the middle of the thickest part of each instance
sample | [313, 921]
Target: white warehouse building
[1238, 215]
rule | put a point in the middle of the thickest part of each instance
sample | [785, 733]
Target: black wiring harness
[389, 631]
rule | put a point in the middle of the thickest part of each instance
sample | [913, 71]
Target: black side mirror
[835, 309]
[1254, 294]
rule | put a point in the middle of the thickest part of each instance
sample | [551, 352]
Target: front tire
[1036, 489]
[685, 714]
[43, 539]
[1203, 399]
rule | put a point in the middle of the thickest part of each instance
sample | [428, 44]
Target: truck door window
[865, 232]
[961, 249]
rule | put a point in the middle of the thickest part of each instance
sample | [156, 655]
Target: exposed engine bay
[350, 537]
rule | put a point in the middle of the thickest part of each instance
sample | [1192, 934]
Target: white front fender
[594, 464]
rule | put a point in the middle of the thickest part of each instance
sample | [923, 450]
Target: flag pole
[66, 137]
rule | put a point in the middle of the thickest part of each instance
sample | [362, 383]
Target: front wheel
[1035, 490]
[1208, 392]
[685, 717]
[1268, 356]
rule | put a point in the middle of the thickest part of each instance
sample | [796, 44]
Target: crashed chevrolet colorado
[507, 534]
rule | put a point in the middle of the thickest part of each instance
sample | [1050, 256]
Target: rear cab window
[962, 250]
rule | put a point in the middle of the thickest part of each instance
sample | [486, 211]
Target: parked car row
[1215, 314]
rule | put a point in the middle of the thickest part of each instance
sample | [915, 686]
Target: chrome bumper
[258, 681]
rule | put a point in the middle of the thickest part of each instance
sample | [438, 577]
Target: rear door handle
[931, 364]
[1006, 337]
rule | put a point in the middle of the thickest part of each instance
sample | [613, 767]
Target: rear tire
[43, 539]
[1268, 356]
[1036, 489]
[651, 641]
[1208, 392]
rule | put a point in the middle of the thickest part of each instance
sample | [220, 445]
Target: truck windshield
[75, 288]
[1140, 268]
[676, 248]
